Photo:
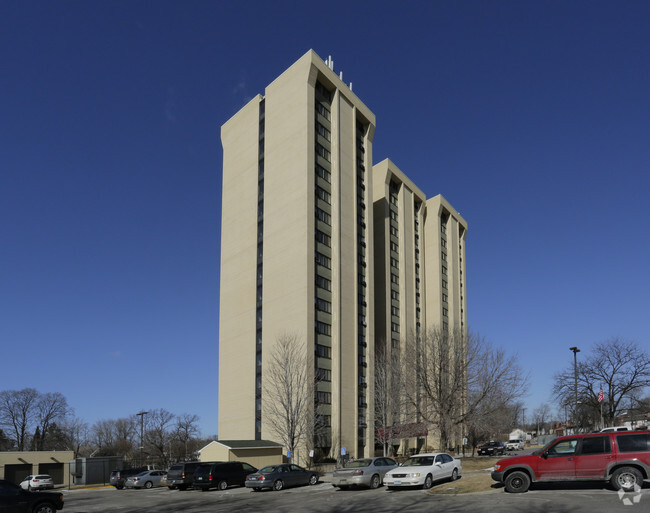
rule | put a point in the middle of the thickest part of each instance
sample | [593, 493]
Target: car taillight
[209, 478]
[182, 475]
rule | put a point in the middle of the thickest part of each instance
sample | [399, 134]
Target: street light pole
[575, 373]
[141, 415]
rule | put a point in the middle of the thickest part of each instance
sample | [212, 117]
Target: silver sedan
[367, 472]
[147, 479]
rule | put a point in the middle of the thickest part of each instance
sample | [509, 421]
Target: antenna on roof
[329, 62]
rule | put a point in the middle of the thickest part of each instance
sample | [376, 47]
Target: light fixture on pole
[575, 375]
[141, 415]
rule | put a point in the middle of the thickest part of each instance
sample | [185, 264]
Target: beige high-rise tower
[298, 255]
[296, 258]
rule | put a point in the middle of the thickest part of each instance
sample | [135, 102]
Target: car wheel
[44, 507]
[454, 474]
[278, 485]
[375, 481]
[222, 485]
[517, 482]
[148, 485]
[626, 479]
[313, 479]
[428, 482]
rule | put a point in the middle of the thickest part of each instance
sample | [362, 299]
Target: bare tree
[541, 415]
[115, 437]
[389, 399]
[17, 414]
[78, 435]
[186, 430]
[453, 377]
[158, 434]
[50, 408]
[290, 391]
[621, 368]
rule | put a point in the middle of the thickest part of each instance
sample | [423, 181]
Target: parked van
[622, 458]
[181, 475]
[221, 474]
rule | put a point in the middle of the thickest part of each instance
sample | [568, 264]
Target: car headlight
[415, 474]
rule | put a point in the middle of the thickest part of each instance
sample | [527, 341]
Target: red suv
[621, 458]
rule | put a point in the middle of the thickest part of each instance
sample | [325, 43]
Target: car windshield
[419, 461]
[357, 464]
[143, 473]
[268, 470]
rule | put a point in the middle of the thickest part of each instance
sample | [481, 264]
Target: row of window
[323, 216]
[322, 131]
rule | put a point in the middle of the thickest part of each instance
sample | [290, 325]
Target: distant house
[258, 453]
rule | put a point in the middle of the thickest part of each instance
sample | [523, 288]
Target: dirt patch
[475, 478]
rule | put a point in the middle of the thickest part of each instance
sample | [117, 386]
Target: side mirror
[544, 455]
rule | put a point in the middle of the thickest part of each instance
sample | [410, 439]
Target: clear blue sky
[531, 118]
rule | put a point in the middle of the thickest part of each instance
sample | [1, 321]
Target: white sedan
[423, 469]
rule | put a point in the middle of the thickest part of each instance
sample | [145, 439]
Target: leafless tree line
[620, 368]
[33, 421]
[457, 384]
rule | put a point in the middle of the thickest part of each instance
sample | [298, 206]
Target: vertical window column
[260, 276]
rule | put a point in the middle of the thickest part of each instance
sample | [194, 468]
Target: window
[443, 243]
[323, 328]
[393, 215]
[596, 445]
[323, 351]
[324, 195]
[394, 231]
[394, 262]
[323, 283]
[323, 260]
[394, 311]
[323, 216]
[323, 306]
[323, 238]
[323, 420]
[394, 278]
[323, 173]
[394, 327]
[633, 443]
[322, 131]
[394, 294]
[393, 199]
[323, 152]
[444, 284]
[323, 111]
[563, 448]
[324, 397]
[394, 247]
[323, 374]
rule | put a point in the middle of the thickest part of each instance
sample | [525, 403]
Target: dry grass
[475, 478]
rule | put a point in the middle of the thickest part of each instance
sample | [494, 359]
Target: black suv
[492, 449]
[181, 475]
[119, 477]
[221, 474]
[15, 499]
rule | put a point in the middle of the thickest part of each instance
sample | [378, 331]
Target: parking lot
[323, 498]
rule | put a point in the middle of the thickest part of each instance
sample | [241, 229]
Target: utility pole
[575, 373]
[141, 415]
